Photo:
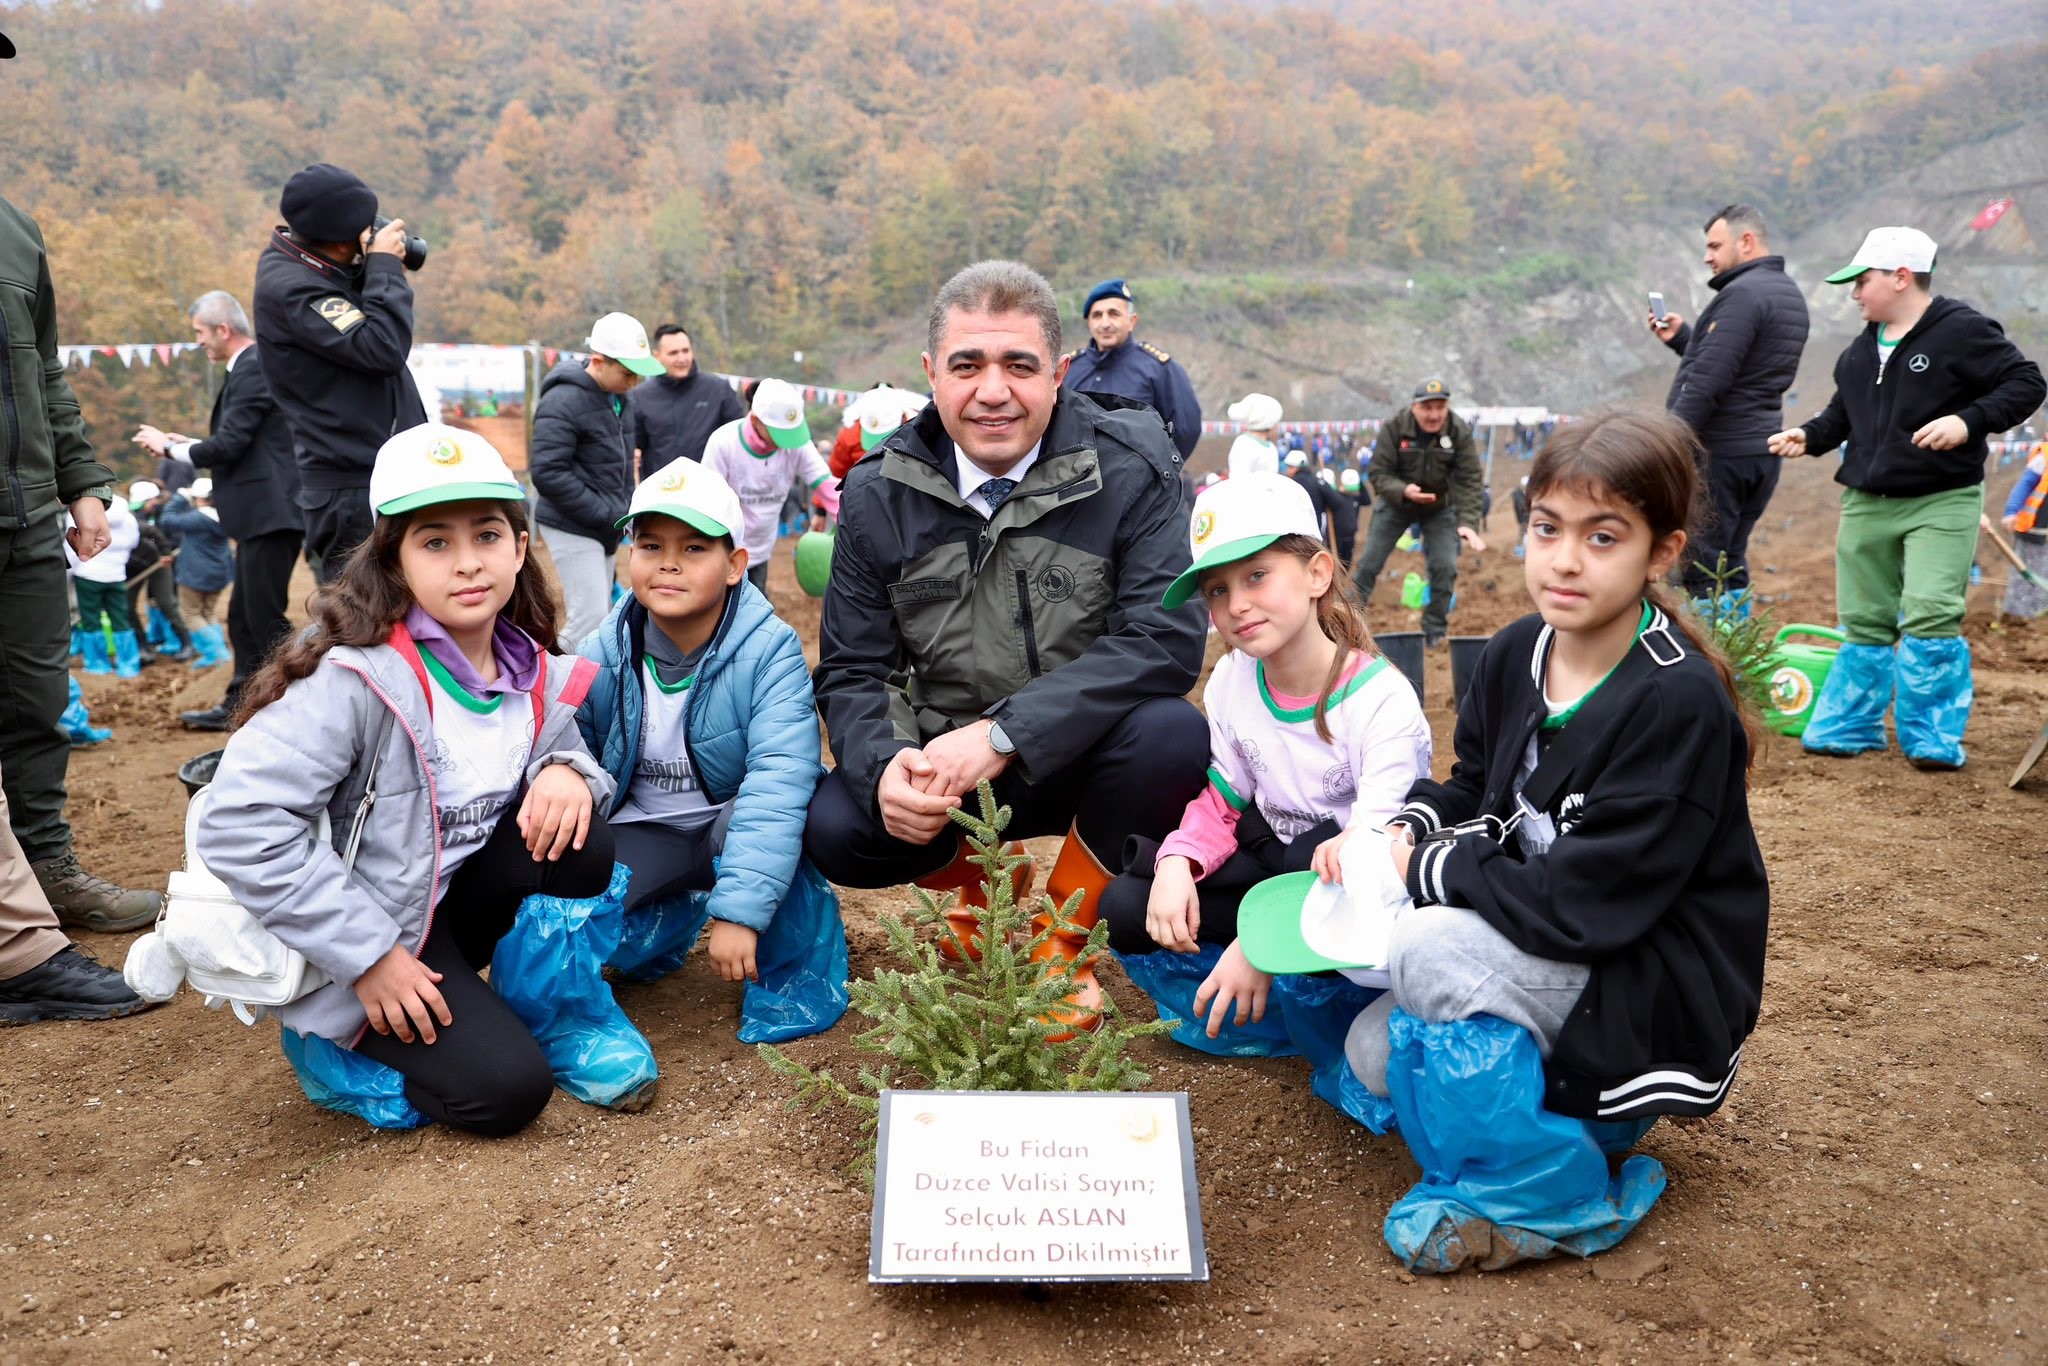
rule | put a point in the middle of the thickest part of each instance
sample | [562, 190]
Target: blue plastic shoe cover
[802, 962]
[77, 722]
[656, 938]
[549, 968]
[338, 1078]
[1935, 695]
[1503, 1179]
[1848, 717]
[127, 654]
[1317, 1012]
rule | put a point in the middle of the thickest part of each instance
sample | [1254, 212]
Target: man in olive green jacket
[46, 468]
[1425, 472]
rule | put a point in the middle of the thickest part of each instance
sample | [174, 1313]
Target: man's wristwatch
[998, 740]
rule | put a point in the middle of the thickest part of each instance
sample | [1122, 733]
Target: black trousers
[665, 860]
[337, 521]
[256, 619]
[1260, 855]
[1741, 489]
[484, 1072]
[162, 587]
[1137, 780]
[35, 661]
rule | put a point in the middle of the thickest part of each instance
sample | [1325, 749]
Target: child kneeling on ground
[702, 714]
[1310, 734]
[1585, 949]
[424, 673]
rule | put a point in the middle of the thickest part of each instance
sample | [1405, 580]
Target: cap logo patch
[1435, 388]
[1919, 363]
[1205, 522]
[444, 452]
[673, 480]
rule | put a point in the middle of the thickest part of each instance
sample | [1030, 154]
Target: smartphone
[1657, 305]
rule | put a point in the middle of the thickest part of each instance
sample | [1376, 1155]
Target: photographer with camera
[333, 331]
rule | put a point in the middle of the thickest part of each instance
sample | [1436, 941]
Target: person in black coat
[581, 459]
[334, 319]
[1734, 367]
[255, 490]
[675, 413]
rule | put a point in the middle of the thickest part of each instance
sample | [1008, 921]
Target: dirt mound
[1868, 1194]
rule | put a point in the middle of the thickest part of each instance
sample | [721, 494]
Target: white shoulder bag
[203, 935]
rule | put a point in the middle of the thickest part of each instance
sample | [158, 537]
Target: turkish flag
[1993, 211]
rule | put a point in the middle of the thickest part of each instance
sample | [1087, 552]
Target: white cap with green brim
[1298, 923]
[1238, 518]
[1889, 249]
[691, 493]
[781, 410]
[620, 336]
[435, 463]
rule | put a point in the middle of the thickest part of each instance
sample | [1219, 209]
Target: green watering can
[814, 562]
[1414, 591]
[1797, 673]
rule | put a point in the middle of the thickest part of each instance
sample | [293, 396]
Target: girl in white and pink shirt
[1311, 734]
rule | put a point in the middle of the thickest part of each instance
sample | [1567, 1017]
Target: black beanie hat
[324, 203]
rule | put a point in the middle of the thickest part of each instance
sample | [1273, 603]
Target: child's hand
[556, 813]
[1234, 981]
[1173, 913]
[1324, 860]
[398, 993]
[732, 951]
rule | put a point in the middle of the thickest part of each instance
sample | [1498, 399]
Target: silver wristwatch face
[998, 741]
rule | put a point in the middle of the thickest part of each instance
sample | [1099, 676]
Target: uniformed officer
[1426, 472]
[1115, 362]
[333, 331]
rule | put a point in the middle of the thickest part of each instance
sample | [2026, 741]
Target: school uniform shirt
[478, 754]
[762, 479]
[1264, 750]
[665, 786]
[1626, 846]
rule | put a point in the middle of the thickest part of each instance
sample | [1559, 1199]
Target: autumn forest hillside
[795, 174]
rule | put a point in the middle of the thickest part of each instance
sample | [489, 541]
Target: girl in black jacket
[1587, 885]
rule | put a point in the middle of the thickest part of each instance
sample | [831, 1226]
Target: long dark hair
[1648, 462]
[1341, 617]
[370, 597]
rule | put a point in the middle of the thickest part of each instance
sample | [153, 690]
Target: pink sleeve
[1207, 834]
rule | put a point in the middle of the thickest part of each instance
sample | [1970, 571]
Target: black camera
[415, 254]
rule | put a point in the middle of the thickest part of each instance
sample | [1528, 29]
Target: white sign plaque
[1036, 1186]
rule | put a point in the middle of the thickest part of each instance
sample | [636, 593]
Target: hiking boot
[71, 985]
[211, 718]
[85, 902]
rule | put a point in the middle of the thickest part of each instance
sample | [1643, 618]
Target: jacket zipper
[7, 399]
[433, 801]
[1024, 621]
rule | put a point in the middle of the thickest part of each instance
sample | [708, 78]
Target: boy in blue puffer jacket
[702, 713]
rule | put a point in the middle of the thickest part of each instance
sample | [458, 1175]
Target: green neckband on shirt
[471, 702]
[1558, 721]
[654, 671]
[1308, 713]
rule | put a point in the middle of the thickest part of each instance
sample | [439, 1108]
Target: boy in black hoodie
[1916, 396]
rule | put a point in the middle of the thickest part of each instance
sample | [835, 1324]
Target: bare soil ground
[1874, 1191]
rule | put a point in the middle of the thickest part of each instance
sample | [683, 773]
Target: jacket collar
[1660, 645]
[625, 634]
[1722, 280]
[921, 456]
[281, 241]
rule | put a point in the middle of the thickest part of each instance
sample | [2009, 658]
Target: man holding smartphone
[1735, 365]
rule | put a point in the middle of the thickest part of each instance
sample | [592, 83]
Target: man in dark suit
[255, 489]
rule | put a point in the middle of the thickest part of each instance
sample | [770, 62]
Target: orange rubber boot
[963, 876]
[1076, 868]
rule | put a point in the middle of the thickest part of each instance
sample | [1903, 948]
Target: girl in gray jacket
[422, 670]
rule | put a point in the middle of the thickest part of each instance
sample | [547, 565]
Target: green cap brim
[869, 440]
[647, 367]
[710, 526]
[789, 438]
[1269, 928]
[453, 493]
[1182, 588]
[1846, 274]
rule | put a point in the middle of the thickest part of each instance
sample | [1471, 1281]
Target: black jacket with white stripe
[1652, 877]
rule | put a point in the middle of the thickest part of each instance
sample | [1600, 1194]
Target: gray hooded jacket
[310, 750]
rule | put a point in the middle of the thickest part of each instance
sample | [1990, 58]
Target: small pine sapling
[981, 1024]
[1746, 635]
